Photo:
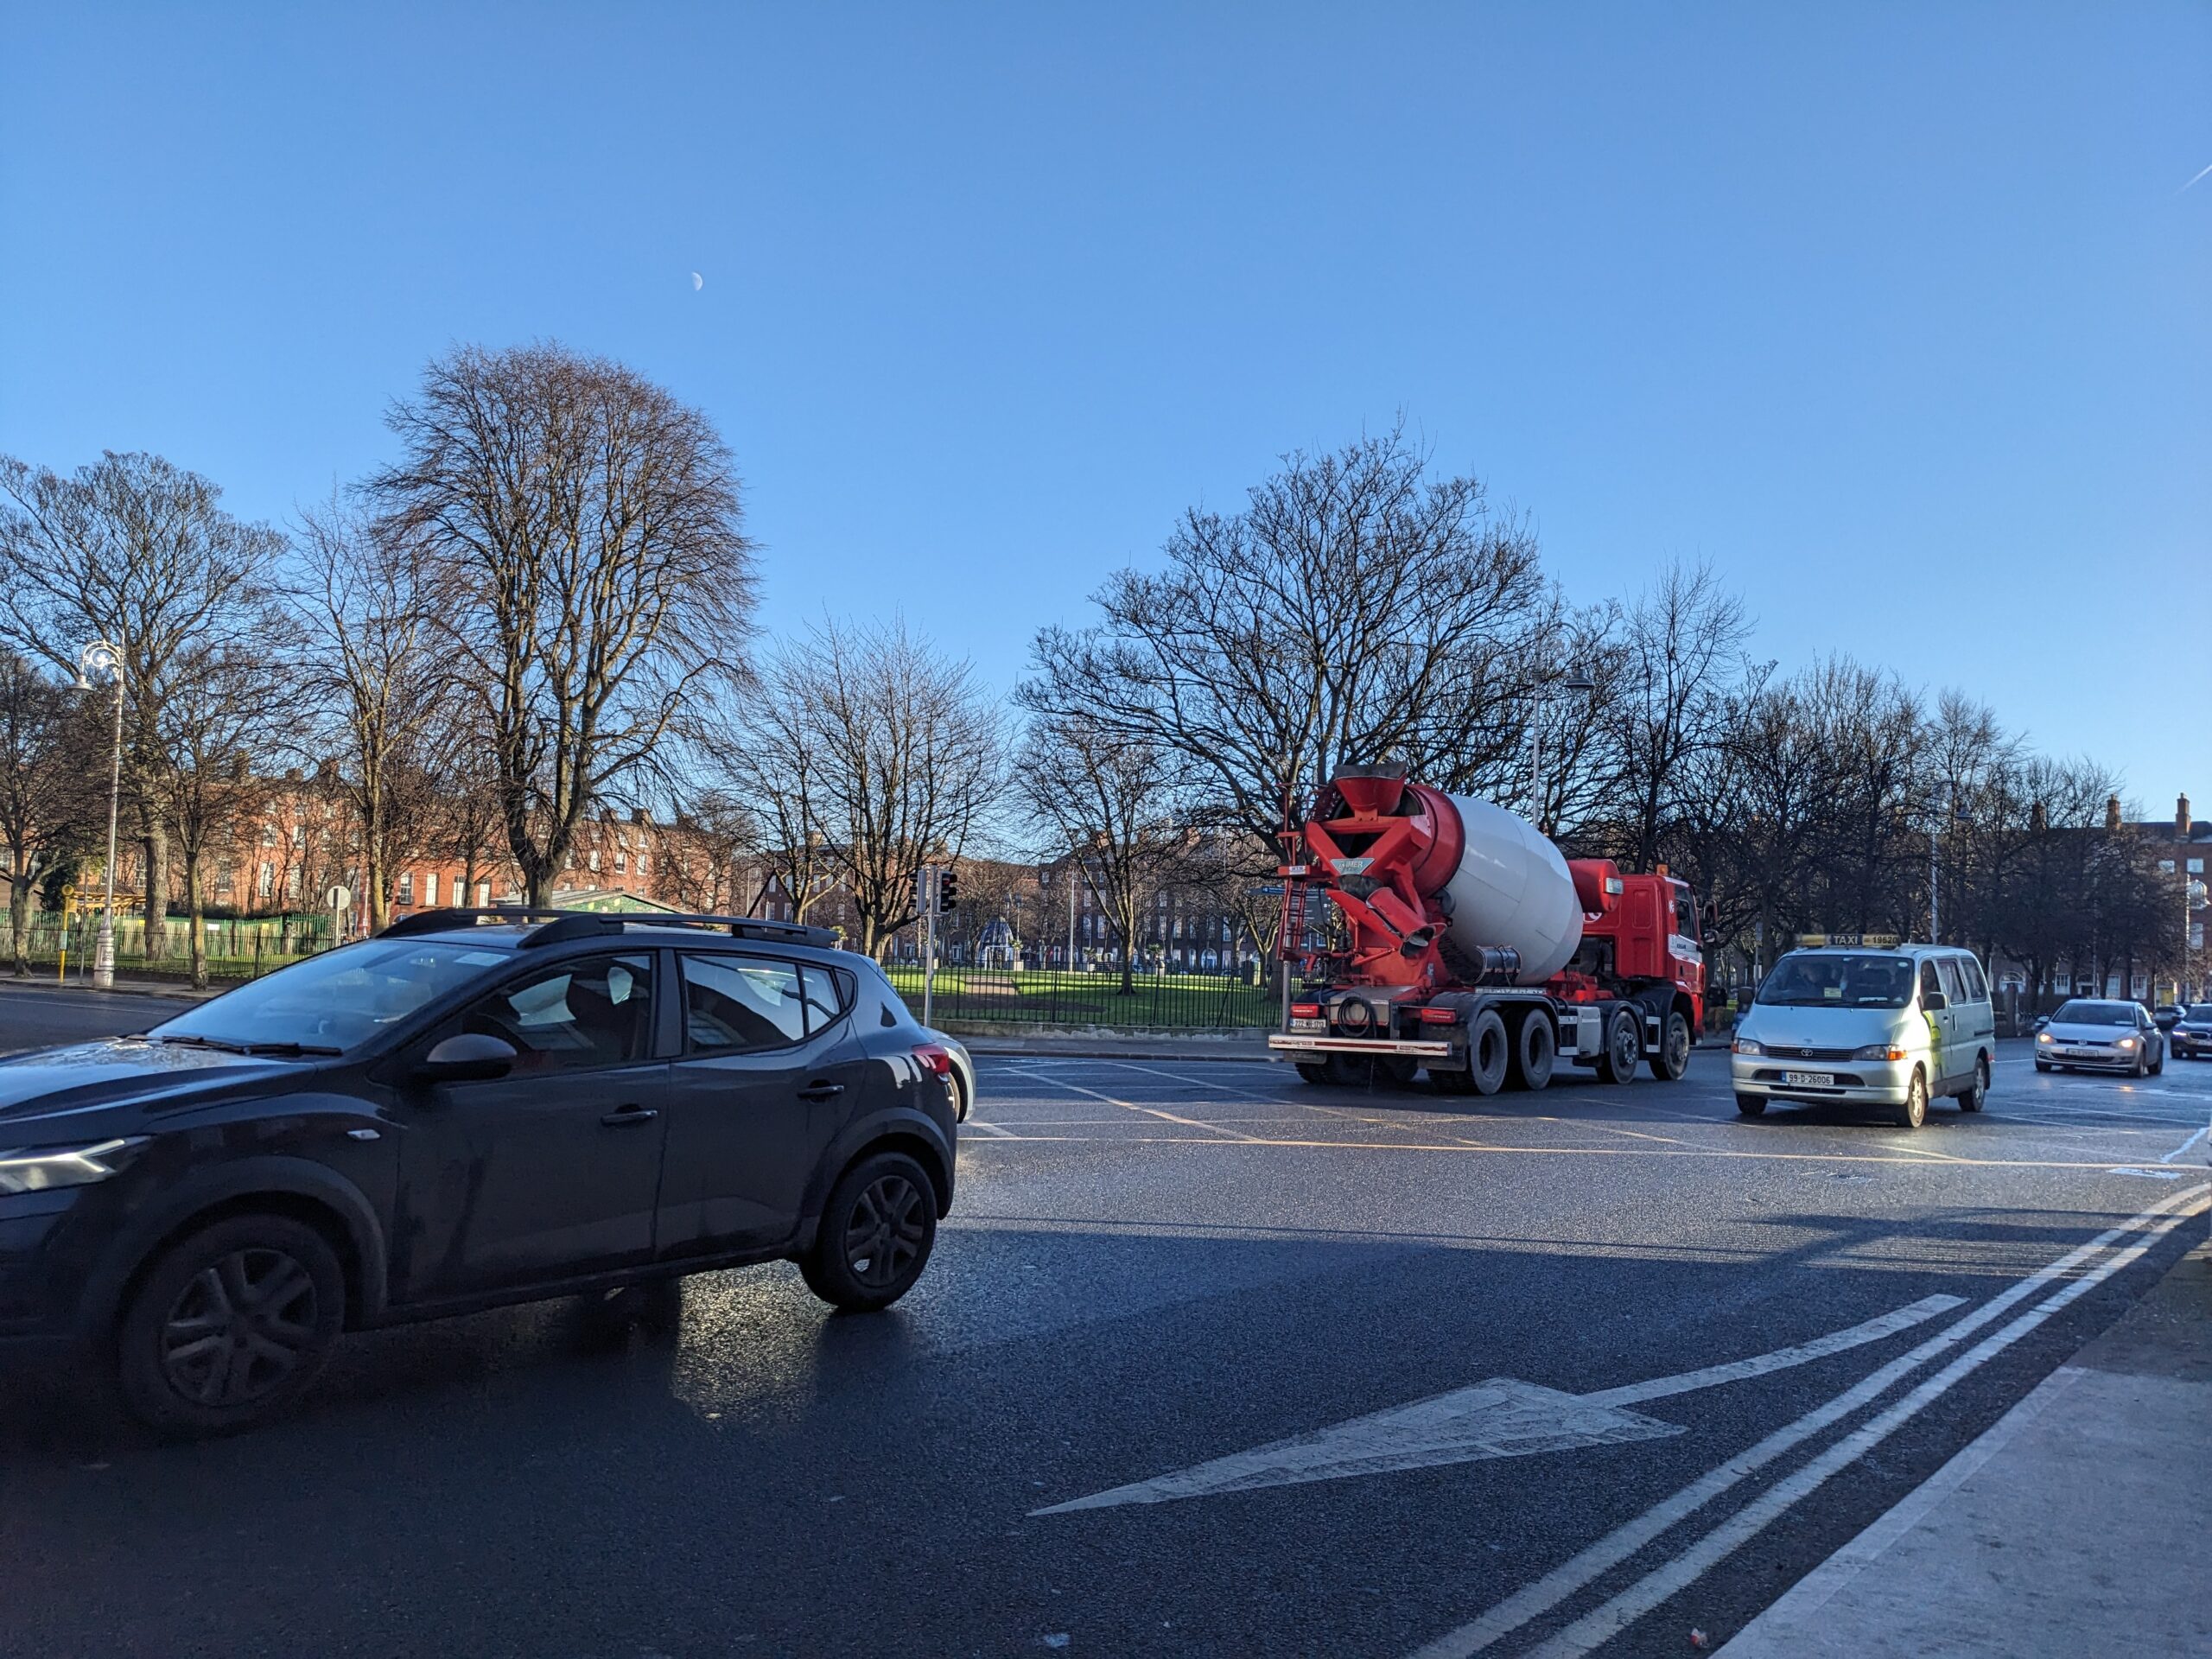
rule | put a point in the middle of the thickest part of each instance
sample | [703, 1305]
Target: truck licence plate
[1809, 1079]
[1309, 1025]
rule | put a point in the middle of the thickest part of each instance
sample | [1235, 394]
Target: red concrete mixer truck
[1472, 949]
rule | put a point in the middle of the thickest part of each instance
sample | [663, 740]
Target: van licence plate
[1809, 1079]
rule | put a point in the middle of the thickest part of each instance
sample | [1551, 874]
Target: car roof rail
[558, 926]
[445, 921]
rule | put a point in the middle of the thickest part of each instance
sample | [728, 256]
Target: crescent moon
[697, 281]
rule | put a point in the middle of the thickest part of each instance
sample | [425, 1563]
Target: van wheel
[230, 1325]
[1914, 1112]
[1535, 1053]
[1752, 1105]
[876, 1234]
[1488, 1054]
[1973, 1100]
[1672, 1058]
[1623, 1047]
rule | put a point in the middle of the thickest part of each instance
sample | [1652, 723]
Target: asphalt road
[1155, 1267]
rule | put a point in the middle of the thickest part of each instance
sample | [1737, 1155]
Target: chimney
[2111, 815]
[2039, 819]
[640, 814]
[2182, 825]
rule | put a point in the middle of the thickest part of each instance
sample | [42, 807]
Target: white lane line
[1607, 1621]
[2186, 1145]
[977, 1126]
[1130, 1105]
[1199, 1082]
[1534, 1599]
[1502, 1417]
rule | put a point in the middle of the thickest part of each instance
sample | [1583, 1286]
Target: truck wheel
[1313, 1072]
[1489, 1053]
[1674, 1056]
[1348, 1070]
[1623, 1047]
[1535, 1053]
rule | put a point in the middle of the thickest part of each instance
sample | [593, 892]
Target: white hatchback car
[2103, 1034]
[1886, 1028]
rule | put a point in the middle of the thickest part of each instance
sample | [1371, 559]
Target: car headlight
[40, 1169]
[2125, 1042]
[1745, 1045]
[2045, 1037]
[1878, 1051]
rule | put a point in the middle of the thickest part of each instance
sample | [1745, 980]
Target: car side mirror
[471, 1057]
[1934, 1002]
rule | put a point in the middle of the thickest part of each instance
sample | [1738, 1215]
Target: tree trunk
[156, 841]
[197, 930]
[19, 917]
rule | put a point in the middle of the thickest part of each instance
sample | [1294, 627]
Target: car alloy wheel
[240, 1328]
[886, 1231]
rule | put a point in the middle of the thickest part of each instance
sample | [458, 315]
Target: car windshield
[1838, 980]
[332, 1003]
[2093, 1013]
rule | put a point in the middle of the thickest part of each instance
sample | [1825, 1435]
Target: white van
[1884, 1028]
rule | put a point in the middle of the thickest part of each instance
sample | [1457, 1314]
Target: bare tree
[701, 860]
[46, 796]
[378, 679]
[137, 551]
[1356, 608]
[760, 749]
[1118, 805]
[581, 528]
[219, 721]
[907, 751]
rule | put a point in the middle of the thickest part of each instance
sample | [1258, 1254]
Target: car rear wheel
[1974, 1098]
[1914, 1112]
[876, 1234]
[230, 1325]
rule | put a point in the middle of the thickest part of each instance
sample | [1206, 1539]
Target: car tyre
[1673, 1059]
[229, 1325]
[2043, 1066]
[876, 1234]
[1914, 1112]
[1623, 1047]
[1977, 1096]
[1752, 1105]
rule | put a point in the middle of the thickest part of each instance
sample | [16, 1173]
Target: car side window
[1928, 980]
[827, 997]
[582, 1013]
[1954, 986]
[740, 1005]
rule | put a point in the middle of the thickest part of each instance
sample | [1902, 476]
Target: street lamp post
[1572, 680]
[102, 658]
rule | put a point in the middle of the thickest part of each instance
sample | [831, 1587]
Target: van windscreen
[1838, 980]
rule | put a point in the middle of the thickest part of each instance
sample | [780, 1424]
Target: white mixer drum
[1512, 889]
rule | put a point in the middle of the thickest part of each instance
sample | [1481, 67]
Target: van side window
[1954, 985]
[1929, 983]
[1977, 986]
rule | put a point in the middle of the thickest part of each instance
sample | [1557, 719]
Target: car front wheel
[876, 1234]
[230, 1325]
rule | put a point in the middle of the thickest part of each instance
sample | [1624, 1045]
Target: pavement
[2074, 1525]
[1209, 1361]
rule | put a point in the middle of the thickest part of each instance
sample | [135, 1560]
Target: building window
[2197, 867]
[431, 887]
[592, 862]
[406, 894]
[268, 880]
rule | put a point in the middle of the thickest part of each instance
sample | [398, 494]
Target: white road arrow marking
[1500, 1417]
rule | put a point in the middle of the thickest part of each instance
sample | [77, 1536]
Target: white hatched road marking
[1572, 1576]
[1502, 1417]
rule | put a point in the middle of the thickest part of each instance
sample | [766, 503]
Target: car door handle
[615, 1120]
[822, 1091]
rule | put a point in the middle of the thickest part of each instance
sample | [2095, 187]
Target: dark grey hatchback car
[474, 1107]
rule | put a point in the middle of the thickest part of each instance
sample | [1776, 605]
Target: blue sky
[1897, 314]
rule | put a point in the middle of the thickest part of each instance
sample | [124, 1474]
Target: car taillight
[1306, 1010]
[936, 1057]
[1440, 1016]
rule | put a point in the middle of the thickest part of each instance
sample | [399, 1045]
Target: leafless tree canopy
[50, 799]
[137, 551]
[1357, 608]
[580, 529]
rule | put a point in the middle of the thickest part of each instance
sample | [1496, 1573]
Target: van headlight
[1745, 1045]
[41, 1169]
[1878, 1051]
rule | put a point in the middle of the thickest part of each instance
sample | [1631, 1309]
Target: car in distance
[2102, 1034]
[2168, 1017]
[475, 1107]
[1878, 1027]
[2191, 1037]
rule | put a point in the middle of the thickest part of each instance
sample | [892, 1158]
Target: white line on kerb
[1572, 1576]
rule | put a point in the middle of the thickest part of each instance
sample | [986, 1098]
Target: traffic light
[948, 891]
